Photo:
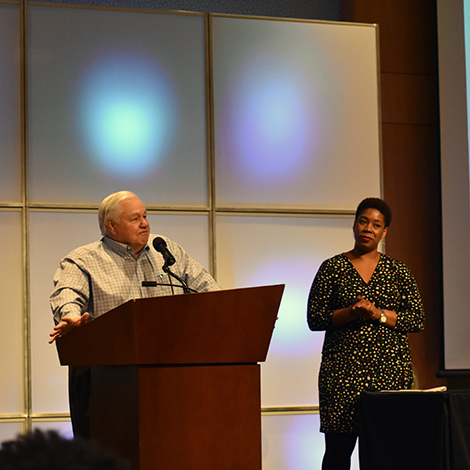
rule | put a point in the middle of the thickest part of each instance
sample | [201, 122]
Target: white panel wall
[292, 442]
[10, 110]
[116, 100]
[12, 340]
[296, 115]
[125, 106]
[261, 250]
[53, 235]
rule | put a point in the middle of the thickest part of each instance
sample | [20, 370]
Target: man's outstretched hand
[66, 325]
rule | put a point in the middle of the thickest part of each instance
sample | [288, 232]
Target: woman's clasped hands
[363, 308]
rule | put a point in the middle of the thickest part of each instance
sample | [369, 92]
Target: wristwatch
[383, 316]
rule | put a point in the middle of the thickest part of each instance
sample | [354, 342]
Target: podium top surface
[226, 326]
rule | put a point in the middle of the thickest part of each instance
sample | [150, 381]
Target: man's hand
[67, 324]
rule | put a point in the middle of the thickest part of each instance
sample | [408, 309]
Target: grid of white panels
[197, 198]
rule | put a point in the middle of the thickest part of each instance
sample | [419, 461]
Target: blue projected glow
[271, 121]
[127, 114]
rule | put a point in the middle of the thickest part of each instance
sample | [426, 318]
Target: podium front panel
[189, 417]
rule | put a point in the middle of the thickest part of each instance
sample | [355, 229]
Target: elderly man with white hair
[98, 277]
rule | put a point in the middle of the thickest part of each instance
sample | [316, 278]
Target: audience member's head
[40, 450]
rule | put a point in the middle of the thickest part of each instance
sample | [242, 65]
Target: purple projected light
[271, 132]
[127, 114]
[304, 445]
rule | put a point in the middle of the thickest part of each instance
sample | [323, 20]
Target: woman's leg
[338, 450]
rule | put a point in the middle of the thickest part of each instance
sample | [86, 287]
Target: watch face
[383, 318]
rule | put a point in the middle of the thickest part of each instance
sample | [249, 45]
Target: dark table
[414, 430]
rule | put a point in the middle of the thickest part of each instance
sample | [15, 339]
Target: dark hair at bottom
[46, 450]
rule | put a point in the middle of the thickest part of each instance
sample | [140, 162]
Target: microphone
[160, 245]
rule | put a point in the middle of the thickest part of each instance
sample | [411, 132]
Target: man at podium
[123, 265]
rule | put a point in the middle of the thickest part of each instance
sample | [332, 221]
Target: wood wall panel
[411, 170]
[408, 32]
[411, 154]
[405, 99]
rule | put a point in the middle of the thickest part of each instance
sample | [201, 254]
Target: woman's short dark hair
[375, 203]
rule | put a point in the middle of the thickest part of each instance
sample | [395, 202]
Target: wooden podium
[176, 379]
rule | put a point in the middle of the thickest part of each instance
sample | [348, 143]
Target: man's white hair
[109, 208]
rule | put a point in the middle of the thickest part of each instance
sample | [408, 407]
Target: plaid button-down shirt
[98, 277]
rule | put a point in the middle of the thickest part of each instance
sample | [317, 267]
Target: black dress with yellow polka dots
[363, 354]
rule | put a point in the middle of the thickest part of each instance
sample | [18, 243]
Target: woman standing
[366, 302]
